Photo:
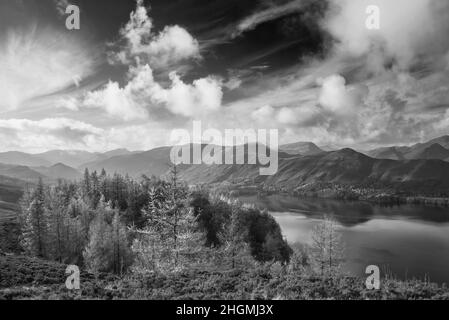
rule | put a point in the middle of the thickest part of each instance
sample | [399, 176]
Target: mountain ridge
[345, 166]
[437, 148]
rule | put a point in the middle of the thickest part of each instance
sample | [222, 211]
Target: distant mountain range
[59, 171]
[434, 149]
[72, 158]
[154, 162]
[343, 167]
[424, 165]
[301, 148]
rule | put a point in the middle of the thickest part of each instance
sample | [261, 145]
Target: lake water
[410, 241]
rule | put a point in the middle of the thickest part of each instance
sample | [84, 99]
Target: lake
[410, 241]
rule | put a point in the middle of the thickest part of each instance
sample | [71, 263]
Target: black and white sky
[137, 70]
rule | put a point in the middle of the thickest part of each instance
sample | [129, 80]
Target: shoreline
[345, 193]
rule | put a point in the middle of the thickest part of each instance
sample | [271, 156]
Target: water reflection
[409, 240]
[349, 213]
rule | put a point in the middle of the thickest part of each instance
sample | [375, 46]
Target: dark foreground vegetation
[159, 239]
[31, 278]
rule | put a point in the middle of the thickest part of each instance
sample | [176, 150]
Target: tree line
[113, 223]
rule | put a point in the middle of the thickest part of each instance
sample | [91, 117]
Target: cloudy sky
[137, 70]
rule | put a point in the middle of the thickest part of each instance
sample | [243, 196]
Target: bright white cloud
[202, 96]
[408, 29]
[336, 98]
[306, 115]
[263, 114]
[172, 45]
[287, 116]
[38, 135]
[127, 103]
[68, 134]
[143, 94]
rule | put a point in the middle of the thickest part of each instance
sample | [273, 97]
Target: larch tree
[170, 239]
[95, 194]
[327, 252]
[107, 249]
[232, 238]
[86, 185]
[57, 221]
[35, 233]
[99, 250]
[121, 252]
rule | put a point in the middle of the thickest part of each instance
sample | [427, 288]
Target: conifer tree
[327, 248]
[57, 220]
[104, 189]
[121, 255]
[170, 239]
[232, 237]
[107, 249]
[95, 194]
[35, 228]
[99, 250]
[86, 185]
[133, 212]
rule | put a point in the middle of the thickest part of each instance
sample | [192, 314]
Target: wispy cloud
[67, 134]
[61, 6]
[268, 14]
[36, 135]
[36, 62]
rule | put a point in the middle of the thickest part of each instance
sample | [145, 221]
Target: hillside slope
[22, 159]
[434, 149]
[20, 172]
[30, 278]
[345, 166]
[301, 148]
[59, 171]
[153, 162]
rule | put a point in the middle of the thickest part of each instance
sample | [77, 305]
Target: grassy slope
[29, 278]
[345, 167]
[11, 191]
[8, 211]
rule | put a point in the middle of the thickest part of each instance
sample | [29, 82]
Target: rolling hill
[72, 158]
[21, 172]
[300, 163]
[69, 157]
[11, 190]
[59, 171]
[154, 162]
[47, 174]
[434, 149]
[344, 166]
[301, 148]
[22, 159]
[75, 158]
[391, 153]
